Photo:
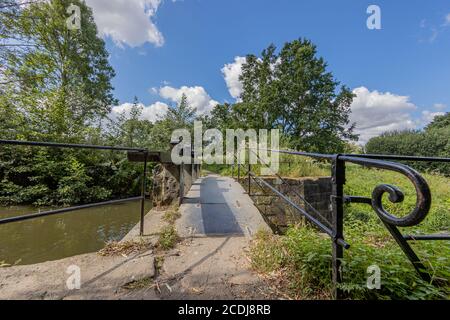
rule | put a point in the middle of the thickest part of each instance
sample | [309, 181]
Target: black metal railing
[335, 228]
[141, 151]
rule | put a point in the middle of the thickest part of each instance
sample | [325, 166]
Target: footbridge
[220, 212]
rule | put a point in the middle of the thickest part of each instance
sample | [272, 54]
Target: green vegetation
[293, 91]
[171, 215]
[159, 262]
[168, 237]
[299, 262]
[290, 166]
[56, 86]
[58, 89]
[433, 141]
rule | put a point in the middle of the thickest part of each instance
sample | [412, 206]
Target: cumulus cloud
[127, 22]
[151, 113]
[373, 112]
[231, 73]
[439, 106]
[197, 97]
[428, 116]
[376, 112]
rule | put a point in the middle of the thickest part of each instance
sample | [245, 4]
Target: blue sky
[160, 49]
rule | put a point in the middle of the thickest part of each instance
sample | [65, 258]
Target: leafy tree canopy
[439, 122]
[434, 141]
[59, 78]
[292, 90]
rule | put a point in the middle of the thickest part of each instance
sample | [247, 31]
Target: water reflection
[64, 235]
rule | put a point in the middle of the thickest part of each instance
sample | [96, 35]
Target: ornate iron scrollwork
[423, 194]
[416, 216]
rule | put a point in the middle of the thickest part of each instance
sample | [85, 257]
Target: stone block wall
[278, 213]
[167, 179]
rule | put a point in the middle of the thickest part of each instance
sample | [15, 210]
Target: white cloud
[231, 73]
[428, 116]
[153, 90]
[439, 106]
[152, 112]
[376, 112]
[127, 22]
[197, 97]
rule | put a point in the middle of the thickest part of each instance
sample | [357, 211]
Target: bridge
[217, 220]
[219, 206]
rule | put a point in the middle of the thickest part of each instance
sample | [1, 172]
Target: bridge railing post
[144, 187]
[181, 183]
[337, 203]
[239, 170]
[249, 177]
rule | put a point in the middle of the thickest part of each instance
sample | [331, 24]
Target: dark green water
[63, 235]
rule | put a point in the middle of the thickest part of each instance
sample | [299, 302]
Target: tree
[222, 117]
[439, 122]
[293, 91]
[60, 78]
[132, 126]
[180, 116]
[432, 142]
[55, 85]
[129, 129]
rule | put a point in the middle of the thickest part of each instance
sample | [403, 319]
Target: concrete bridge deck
[218, 206]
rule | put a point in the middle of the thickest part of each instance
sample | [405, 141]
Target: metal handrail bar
[64, 210]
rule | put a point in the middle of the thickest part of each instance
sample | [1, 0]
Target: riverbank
[200, 267]
[100, 276]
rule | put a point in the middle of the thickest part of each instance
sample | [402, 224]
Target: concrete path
[100, 277]
[218, 220]
[218, 206]
[211, 268]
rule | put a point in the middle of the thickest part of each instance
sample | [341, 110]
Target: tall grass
[299, 262]
[289, 166]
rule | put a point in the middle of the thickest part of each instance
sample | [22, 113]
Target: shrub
[168, 237]
[304, 256]
[433, 142]
[61, 177]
